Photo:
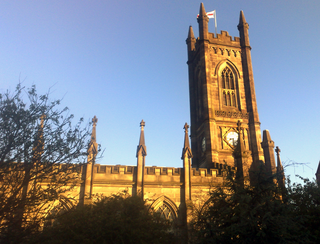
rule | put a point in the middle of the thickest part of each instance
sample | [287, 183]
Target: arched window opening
[56, 209]
[228, 86]
[166, 212]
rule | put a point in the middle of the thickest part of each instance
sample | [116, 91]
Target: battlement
[224, 35]
[205, 173]
[216, 171]
[223, 39]
[154, 170]
[114, 169]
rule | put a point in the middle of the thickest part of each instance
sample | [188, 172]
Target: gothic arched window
[166, 212]
[228, 86]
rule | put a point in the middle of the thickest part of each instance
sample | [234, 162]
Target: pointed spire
[268, 145]
[186, 147]
[186, 136]
[242, 19]
[191, 42]
[141, 153]
[186, 157]
[266, 136]
[280, 173]
[243, 28]
[92, 153]
[203, 23]
[94, 124]
[190, 33]
[279, 164]
[202, 11]
[142, 125]
[318, 174]
[142, 141]
[93, 146]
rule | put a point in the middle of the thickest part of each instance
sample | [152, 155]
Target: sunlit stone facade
[225, 131]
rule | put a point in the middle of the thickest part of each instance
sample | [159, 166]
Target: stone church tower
[225, 134]
[222, 98]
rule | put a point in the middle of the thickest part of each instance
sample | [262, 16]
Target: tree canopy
[40, 156]
[116, 219]
[259, 213]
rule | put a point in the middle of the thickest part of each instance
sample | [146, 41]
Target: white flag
[211, 14]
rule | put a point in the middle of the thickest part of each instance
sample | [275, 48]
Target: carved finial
[142, 124]
[239, 126]
[93, 143]
[141, 141]
[186, 127]
[186, 146]
[279, 164]
[94, 121]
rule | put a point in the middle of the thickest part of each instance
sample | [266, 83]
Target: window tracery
[228, 86]
[166, 212]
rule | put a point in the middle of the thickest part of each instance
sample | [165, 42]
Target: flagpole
[215, 21]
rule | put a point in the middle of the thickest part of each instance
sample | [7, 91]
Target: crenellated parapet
[154, 170]
[114, 169]
[219, 171]
[105, 173]
[224, 39]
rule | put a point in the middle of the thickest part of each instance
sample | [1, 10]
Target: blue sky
[124, 61]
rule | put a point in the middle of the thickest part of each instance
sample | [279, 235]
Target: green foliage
[116, 219]
[305, 202]
[238, 213]
[40, 157]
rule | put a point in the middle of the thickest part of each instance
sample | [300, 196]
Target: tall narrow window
[227, 82]
[223, 78]
[234, 99]
[231, 81]
[228, 86]
[224, 98]
[228, 99]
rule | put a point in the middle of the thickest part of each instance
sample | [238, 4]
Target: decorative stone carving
[214, 49]
[234, 52]
[231, 114]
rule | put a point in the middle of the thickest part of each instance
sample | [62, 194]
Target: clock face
[203, 144]
[232, 138]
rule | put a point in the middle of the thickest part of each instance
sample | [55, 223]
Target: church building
[225, 131]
